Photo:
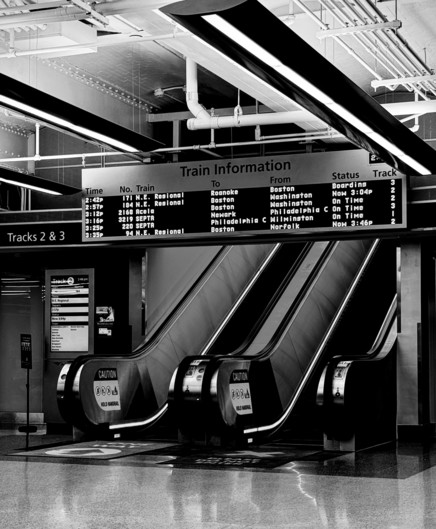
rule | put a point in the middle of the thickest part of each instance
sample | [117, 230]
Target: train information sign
[277, 195]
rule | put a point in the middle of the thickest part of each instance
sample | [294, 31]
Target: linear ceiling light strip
[254, 39]
[50, 110]
[34, 183]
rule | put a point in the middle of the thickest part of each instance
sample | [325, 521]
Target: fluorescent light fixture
[253, 38]
[69, 118]
[35, 184]
[266, 57]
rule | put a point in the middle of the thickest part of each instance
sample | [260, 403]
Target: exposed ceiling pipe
[45, 16]
[127, 6]
[291, 138]
[37, 157]
[418, 62]
[390, 43]
[202, 120]
[237, 144]
[363, 38]
[245, 120]
[415, 127]
[338, 40]
[411, 107]
[192, 100]
[57, 11]
[303, 137]
[398, 48]
[25, 8]
[382, 52]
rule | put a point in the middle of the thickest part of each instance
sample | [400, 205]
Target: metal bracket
[98, 18]
[393, 25]
[403, 80]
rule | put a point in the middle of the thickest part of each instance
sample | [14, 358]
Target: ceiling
[124, 49]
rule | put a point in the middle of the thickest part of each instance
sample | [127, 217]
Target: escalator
[357, 393]
[268, 386]
[139, 383]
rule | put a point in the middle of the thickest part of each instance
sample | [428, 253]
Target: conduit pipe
[411, 107]
[248, 120]
[192, 100]
[416, 60]
[202, 120]
[37, 157]
[45, 16]
[206, 146]
[390, 39]
[338, 40]
[399, 44]
[388, 57]
[365, 41]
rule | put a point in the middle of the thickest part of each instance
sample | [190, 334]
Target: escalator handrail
[265, 313]
[377, 348]
[268, 350]
[240, 300]
[174, 314]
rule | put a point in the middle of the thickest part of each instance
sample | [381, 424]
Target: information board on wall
[69, 313]
[276, 195]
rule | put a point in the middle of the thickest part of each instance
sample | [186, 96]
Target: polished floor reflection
[151, 484]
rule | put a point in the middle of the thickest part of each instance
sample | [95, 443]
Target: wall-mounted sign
[270, 196]
[107, 389]
[240, 392]
[26, 351]
[69, 310]
[105, 315]
[39, 234]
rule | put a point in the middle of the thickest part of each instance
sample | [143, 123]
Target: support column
[416, 342]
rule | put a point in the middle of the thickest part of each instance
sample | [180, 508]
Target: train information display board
[275, 195]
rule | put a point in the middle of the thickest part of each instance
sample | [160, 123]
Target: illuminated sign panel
[275, 195]
[69, 311]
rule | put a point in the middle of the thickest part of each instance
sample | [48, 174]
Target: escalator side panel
[305, 332]
[168, 280]
[244, 323]
[289, 295]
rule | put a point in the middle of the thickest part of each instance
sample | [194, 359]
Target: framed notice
[26, 351]
[69, 311]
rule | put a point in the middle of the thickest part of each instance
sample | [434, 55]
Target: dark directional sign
[42, 234]
[26, 351]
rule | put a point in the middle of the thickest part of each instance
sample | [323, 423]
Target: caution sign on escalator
[240, 392]
[338, 382]
[107, 389]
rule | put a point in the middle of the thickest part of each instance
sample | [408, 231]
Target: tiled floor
[152, 484]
